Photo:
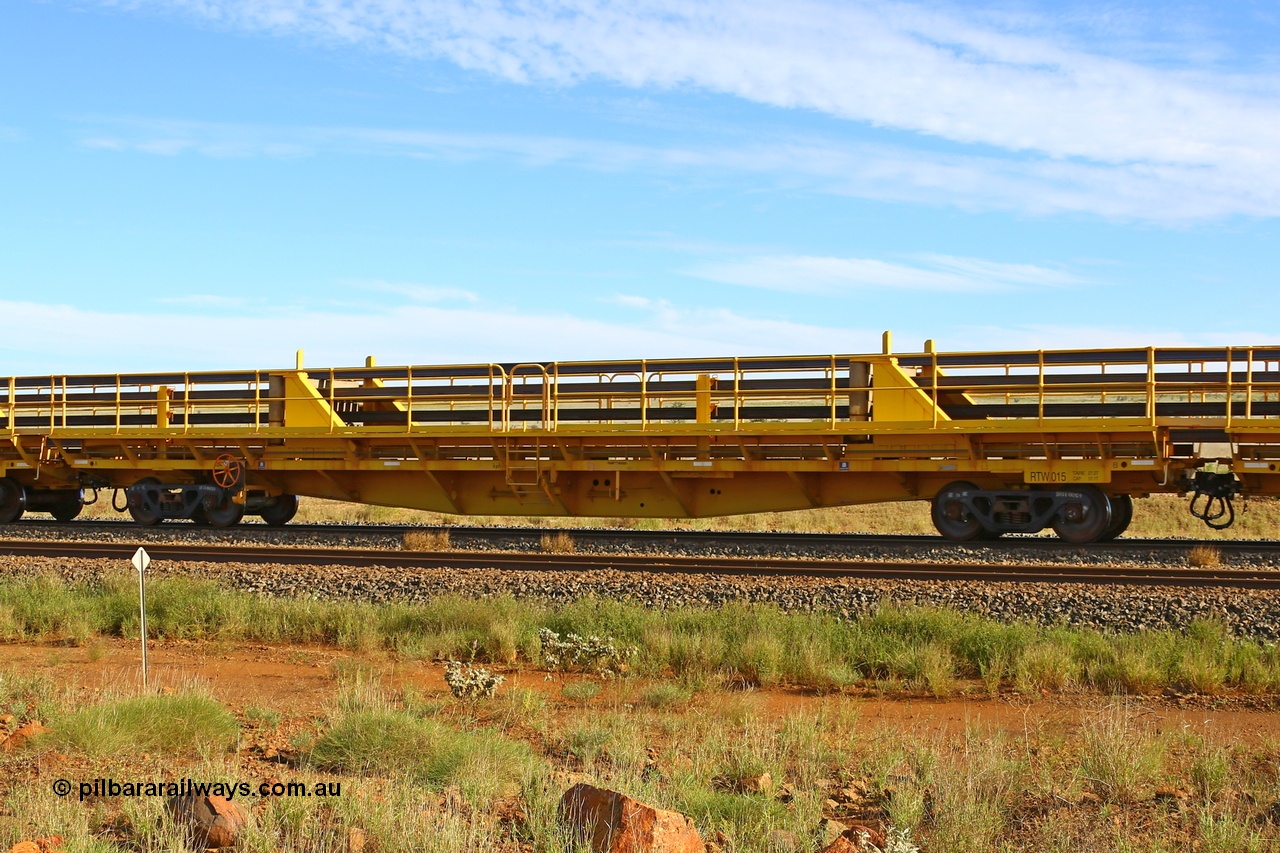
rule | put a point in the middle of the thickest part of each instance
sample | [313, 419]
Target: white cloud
[416, 292]
[418, 334]
[895, 173]
[1057, 115]
[836, 276]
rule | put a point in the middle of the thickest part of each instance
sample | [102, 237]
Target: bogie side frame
[983, 434]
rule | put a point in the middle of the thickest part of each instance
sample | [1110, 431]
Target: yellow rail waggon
[998, 441]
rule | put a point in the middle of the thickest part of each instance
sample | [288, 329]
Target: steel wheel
[952, 517]
[1086, 520]
[144, 504]
[280, 510]
[1121, 515]
[11, 502]
[228, 514]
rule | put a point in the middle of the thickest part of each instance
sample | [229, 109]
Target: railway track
[652, 540]
[700, 565]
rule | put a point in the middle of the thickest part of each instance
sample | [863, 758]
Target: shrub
[601, 655]
[471, 682]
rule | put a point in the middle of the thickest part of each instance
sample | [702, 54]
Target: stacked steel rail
[999, 441]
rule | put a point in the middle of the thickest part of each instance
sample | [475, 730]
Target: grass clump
[665, 695]
[395, 743]
[557, 543]
[182, 723]
[1204, 557]
[426, 540]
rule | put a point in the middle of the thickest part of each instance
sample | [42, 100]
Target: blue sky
[192, 184]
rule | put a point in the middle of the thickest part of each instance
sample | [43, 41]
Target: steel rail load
[998, 441]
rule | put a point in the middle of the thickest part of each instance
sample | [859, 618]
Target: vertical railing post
[1248, 384]
[186, 403]
[1151, 385]
[1230, 387]
[1040, 388]
[644, 395]
[408, 405]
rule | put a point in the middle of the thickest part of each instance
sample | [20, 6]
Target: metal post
[140, 562]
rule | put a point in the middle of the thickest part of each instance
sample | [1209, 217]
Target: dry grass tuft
[1204, 557]
[426, 540]
[557, 543]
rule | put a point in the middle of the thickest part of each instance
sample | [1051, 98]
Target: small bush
[601, 655]
[471, 682]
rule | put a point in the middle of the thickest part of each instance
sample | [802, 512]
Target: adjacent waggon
[999, 442]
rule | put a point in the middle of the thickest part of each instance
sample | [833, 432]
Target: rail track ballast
[998, 441]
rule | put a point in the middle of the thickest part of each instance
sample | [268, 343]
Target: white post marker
[140, 562]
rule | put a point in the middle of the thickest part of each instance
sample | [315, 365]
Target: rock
[609, 822]
[761, 784]
[22, 735]
[50, 844]
[829, 830]
[861, 836]
[356, 840]
[842, 845]
[211, 821]
[25, 847]
[782, 841]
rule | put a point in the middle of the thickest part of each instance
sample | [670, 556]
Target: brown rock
[782, 841]
[211, 821]
[22, 735]
[49, 844]
[610, 822]
[25, 847]
[356, 840]
[864, 835]
[761, 784]
[842, 845]
[829, 830]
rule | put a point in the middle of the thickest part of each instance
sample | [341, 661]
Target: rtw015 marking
[1067, 475]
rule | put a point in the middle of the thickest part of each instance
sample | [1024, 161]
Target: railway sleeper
[962, 512]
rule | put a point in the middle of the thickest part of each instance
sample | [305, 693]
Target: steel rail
[587, 536]
[832, 569]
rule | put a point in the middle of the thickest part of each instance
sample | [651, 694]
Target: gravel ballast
[1246, 613]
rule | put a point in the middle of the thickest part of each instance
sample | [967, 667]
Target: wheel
[144, 503]
[228, 472]
[280, 510]
[67, 508]
[11, 503]
[1085, 520]
[952, 517]
[1121, 515]
[226, 514]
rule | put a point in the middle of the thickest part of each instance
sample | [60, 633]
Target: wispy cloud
[868, 170]
[419, 334]
[416, 292]
[837, 276]
[1040, 111]
[11, 134]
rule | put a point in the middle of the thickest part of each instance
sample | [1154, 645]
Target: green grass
[393, 742]
[179, 723]
[922, 649]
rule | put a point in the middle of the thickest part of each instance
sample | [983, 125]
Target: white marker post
[140, 562]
